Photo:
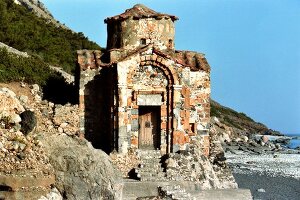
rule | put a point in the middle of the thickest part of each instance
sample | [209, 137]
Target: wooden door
[149, 127]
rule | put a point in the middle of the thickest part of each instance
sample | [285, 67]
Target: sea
[295, 141]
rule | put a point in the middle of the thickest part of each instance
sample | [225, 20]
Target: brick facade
[140, 71]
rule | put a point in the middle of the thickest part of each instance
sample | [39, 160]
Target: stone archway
[165, 104]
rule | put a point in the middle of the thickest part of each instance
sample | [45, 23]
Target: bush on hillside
[26, 32]
[17, 68]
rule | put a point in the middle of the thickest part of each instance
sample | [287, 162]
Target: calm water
[295, 142]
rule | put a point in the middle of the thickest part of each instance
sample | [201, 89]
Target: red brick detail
[182, 113]
[134, 141]
[81, 102]
[187, 139]
[206, 151]
[163, 107]
[134, 116]
[187, 102]
[179, 138]
[205, 141]
[164, 112]
[129, 101]
[192, 102]
[163, 125]
[159, 59]
[153, 57]
[126, 121]
[186, 124]
[170, 124]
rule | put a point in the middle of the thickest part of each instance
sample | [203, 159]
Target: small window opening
[192, 127]
[170, 43]
[143, 41]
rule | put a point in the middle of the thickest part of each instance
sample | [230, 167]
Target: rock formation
[38, 8]
[49, 155]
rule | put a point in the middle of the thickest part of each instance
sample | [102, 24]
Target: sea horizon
[291, 134]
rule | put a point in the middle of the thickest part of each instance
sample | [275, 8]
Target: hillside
[28, 26]
[27, 32]
[40, 10]
[239, 122]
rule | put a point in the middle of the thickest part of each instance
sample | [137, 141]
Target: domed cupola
[140, 26]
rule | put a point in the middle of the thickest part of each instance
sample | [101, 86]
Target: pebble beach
[270, 176]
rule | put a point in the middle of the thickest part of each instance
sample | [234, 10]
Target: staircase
[154, 184]
[150, 168]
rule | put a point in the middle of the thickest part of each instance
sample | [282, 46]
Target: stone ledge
[15, 183]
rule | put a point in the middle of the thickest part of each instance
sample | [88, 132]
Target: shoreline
[265, 187]
[277, 164]
[270, 174]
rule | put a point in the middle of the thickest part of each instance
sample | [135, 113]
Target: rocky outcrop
[53, 195]
[51, 153]
[24, 167]
[219, 163]
[13, 50]
[17, 150]
[82, 172]
[193, 166]
[38, 8]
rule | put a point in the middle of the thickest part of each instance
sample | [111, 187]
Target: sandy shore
[268, 176]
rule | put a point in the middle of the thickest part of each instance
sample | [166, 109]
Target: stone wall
[97, 97]
[133, 33]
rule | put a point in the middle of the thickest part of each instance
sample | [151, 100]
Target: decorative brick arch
[171, 76]
[160, 62]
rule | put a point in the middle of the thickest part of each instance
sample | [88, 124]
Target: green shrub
[26, 32]
[214, 111]
[17, 68]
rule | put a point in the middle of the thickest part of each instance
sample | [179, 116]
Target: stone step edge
[16, 182]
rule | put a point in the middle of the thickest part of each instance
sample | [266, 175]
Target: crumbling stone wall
[133, 33]
[97, 107]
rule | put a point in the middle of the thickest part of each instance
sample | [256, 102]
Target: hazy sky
[252, 46]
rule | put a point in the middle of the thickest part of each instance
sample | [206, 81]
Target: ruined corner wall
[96, 104]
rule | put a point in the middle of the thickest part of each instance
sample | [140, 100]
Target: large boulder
[82, 172]
[28, 121]
[9, 103]
[10, 107]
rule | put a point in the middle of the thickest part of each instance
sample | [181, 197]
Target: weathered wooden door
[149, 127]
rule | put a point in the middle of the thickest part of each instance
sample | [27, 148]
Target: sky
[252, 46]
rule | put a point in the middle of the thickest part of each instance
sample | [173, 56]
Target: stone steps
[150, 168]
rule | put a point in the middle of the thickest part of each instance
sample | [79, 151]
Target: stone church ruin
[140, 92]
